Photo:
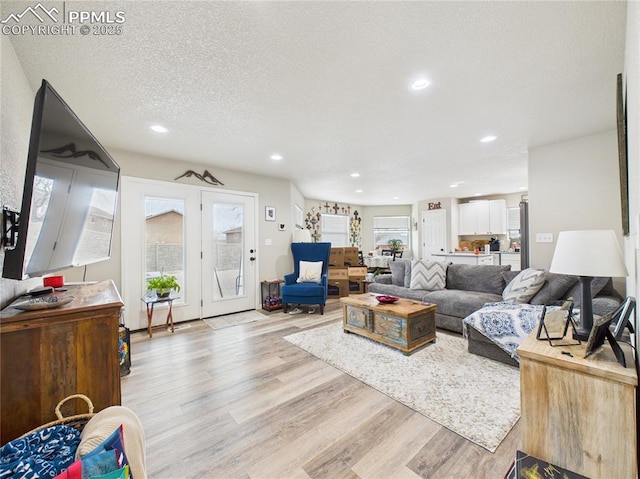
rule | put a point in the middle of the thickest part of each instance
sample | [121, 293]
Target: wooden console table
[578, 413]
[405, 325]
[47, 355]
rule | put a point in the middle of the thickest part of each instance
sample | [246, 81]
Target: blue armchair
[294, 292]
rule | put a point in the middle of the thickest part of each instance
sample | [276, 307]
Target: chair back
[310, 252]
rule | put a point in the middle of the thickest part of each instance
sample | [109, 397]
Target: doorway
[434, 232]
[228, 253]
[204, 237]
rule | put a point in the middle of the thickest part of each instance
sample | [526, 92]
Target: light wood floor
[242, 402]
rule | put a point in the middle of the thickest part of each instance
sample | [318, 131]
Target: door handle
[252, 258]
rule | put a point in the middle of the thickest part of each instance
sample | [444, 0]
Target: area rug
[235, 319]
[475, 397]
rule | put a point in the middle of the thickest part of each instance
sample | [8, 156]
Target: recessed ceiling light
[488, 139]
[276, 157]
[453, 186]
[396, 197]
[522, 188]
[159, 128]
[420, 84]
[355, 175]
[477, 194]
[358, 191]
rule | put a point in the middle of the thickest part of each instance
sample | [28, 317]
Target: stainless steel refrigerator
[524, 235]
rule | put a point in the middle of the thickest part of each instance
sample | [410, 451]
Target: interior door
[229, 257]
[434, 232]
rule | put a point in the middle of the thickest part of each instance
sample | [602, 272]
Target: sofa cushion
[524, 286]
[428, 274]
[397, 272]
[459, 303]
[555, 285]
[399, 291]
[597, 284]
[481, 278]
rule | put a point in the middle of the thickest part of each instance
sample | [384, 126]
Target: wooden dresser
[578, 413]
[47, 355]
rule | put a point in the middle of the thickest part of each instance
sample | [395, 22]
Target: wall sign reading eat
[435, 206]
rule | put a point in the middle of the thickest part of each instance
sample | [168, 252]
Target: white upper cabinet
[483, 218]
[498, 217]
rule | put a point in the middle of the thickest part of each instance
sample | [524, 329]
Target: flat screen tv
[69, 197]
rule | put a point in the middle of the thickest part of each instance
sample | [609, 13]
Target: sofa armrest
[383, 278]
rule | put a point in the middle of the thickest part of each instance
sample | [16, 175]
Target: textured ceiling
[325, 84]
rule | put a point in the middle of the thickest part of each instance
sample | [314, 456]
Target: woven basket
[77, 421]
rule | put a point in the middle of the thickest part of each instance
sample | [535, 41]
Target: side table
[578, 413]
[271, 295]
[150, 301]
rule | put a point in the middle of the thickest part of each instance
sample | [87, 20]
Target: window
[335, 230]
[386, 228]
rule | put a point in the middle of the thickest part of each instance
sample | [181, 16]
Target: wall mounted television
[69, 197]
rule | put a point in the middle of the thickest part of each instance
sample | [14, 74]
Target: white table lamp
[587, 254]
[301, 236]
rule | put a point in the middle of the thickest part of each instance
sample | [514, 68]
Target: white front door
[229, 258]
[434, 232]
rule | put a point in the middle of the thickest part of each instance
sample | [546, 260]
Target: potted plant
[163, 285]
[395, 244]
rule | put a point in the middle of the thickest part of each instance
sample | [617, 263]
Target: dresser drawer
[339, 273]
[358, 317]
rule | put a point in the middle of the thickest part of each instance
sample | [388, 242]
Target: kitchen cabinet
[483, 217]
[511, 258]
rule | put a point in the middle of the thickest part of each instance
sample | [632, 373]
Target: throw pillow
[524, 286]
[555, 286]
[310, 272]
[397, 272]
[428, 275]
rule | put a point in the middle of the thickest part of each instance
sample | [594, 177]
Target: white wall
[632, 77]
[16, 98]
[573, 185]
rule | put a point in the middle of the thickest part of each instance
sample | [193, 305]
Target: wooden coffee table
[405, 325]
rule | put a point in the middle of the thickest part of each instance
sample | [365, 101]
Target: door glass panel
[164, 240]
[227, 246]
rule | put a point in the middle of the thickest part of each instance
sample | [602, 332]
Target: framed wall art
[269, 213]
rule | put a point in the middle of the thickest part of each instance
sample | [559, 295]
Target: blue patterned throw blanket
[505, 323]
[41, 454]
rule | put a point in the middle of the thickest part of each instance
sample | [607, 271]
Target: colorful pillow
[119, 474]
[524, 286]
[428, 275]
[103, 424]
[310, 272]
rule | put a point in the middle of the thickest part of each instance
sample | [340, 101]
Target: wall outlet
[544, 237]
[268, 242]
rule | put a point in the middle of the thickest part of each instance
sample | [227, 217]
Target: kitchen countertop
[462, 253]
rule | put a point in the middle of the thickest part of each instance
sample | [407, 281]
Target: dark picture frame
[623, 162]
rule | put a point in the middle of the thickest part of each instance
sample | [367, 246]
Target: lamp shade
[588, 253]
[301, 236]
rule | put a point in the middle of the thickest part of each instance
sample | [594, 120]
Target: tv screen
[69, 196]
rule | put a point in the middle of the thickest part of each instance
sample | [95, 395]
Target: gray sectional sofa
[469, 287]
